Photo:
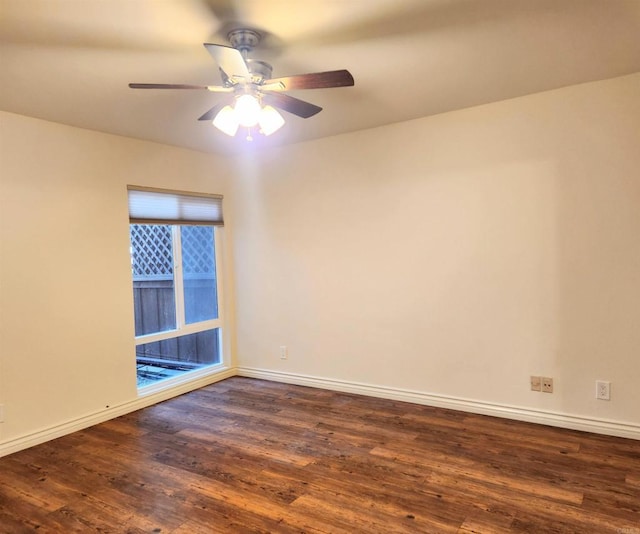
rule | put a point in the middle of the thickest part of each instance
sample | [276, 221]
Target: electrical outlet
[536, 384]
[603, 390]
[1, 413]
[547, 384]
[284, 352]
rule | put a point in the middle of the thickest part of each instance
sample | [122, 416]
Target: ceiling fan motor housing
[245, 40]
[260, 70]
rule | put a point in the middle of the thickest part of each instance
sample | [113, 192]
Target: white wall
[454, 255]
[66, 302]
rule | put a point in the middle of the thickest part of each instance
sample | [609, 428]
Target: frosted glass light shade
[248, 113]
[247, 110]
[227, 121]
[270, 120]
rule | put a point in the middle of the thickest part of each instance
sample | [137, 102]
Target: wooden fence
[154, 303]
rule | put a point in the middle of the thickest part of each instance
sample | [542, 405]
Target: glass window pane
[199, 273]
[171, 357]
[153, 285]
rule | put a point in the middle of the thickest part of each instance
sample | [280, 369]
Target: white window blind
[155, 206]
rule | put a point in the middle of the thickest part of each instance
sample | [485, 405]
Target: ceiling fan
[253, 93]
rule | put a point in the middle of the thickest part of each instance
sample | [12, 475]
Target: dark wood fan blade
[166, 86]
[209, 115]
[229, 60]
[315, 80]
[292, 105]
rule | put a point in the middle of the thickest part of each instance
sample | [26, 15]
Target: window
[176, 284]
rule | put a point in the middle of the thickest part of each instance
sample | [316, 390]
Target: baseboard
[152, 396]
[587, 424]
[573, 422]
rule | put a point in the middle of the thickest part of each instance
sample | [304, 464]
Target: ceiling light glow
[247, 110]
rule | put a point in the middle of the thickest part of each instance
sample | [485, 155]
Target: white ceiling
[70, 61]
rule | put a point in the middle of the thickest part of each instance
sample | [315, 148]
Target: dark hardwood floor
[248, 455]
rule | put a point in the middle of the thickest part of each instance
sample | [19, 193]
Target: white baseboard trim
[587, 424]
[573, 422]
[152, 396]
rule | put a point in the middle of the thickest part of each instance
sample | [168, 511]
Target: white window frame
[182, 328]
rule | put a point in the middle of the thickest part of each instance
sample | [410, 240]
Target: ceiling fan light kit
[248, 112]
[254, 94]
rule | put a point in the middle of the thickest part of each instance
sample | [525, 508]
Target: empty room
[321, 266]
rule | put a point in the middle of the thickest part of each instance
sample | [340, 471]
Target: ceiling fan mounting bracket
[244, 39]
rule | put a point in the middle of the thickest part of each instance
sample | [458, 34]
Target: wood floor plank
[531, 486]
[494, 521]
[253, 456]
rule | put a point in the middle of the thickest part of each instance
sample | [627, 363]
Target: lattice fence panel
[198, 256]
[151, 247]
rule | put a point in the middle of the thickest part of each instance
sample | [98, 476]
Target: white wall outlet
[536, 383]
[603, 390]
[1, 413]
[547, 384]
[284, 352]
